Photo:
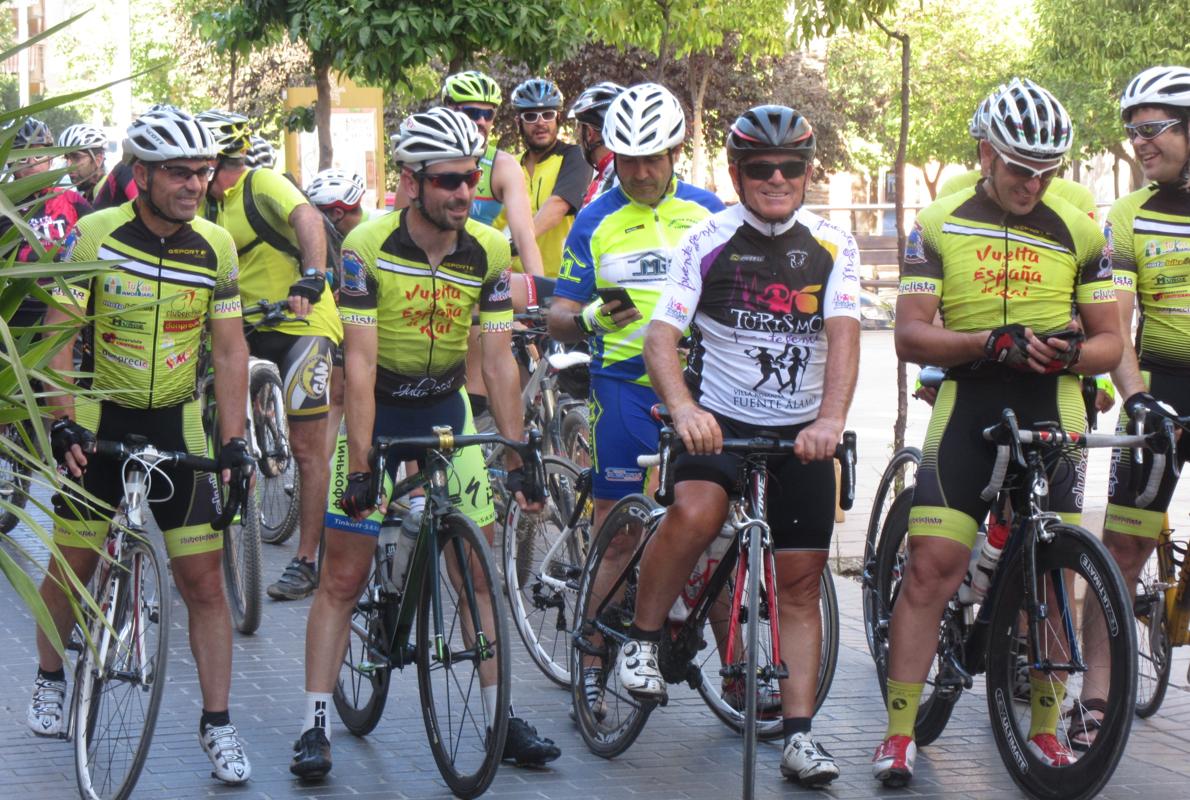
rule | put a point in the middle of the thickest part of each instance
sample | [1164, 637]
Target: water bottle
[404, 543]
[989, 556]
[707, 562]
[966, 593]
[387, 542]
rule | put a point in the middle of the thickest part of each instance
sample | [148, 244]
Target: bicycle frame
[547, 561]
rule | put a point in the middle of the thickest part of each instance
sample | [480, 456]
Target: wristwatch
[311, 272]
[581, 323]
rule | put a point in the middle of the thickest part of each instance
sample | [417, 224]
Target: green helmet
[470, 87]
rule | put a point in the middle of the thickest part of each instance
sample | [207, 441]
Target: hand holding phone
[610, 293]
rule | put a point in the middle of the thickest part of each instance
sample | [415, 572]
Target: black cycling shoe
[525, 748]
[312, 755]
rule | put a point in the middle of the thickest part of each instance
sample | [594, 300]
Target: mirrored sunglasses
[1149, 130]
[1022, 170]
[476, 114]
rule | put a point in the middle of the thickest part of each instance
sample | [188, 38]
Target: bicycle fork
[754, 533]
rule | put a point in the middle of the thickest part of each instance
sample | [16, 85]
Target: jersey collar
[669, 194]
[770, 229]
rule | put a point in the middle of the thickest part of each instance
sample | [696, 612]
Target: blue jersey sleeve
[576, 275]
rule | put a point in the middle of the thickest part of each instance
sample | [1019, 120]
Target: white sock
[317, 708]
[416, 504]
[489, 694]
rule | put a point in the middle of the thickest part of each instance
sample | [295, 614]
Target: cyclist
[411, 281]
[626, 238]
[763, 275]
[283, 253]
[1072, 192]
[176, 277]
[588, 111]
[88, 170]
[1004, 262]
[1148, 236]
[261, 153]
[555, 172]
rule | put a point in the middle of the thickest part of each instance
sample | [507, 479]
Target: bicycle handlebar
[271, 313]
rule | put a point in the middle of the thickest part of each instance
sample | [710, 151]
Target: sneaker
[637, 667]
[893, 763]
[222, 745]
[297, 582]
[1050, 751]
[525, 748]
[768, 698]
[312, 755]
[44, 716]
[808, 762]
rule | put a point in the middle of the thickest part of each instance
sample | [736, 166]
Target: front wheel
[463, 646]
[1154, 648]
[280, 482]
[241, 564]
[898, 475]
[1074, 564]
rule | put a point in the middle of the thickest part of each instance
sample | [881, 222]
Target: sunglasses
[452, 180]
[476, 114]
[763, 170]
[1020, 170]
[183, 174]
[539, 116]
[1150, 130]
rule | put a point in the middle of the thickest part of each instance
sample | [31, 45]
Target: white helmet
[261, 153]
[644, 120]
[1157, 86]
[336, 187]
[83, 137]
[1027, 121]
[440, 134]
[978, 127]
[168, 134]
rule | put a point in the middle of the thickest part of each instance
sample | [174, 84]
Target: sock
[488, 694]
[57, 675]
[213, 718]
[1045, 703]
[416, 505]
[794, 725]
[317, 708]
[643, 635]
[903, 700]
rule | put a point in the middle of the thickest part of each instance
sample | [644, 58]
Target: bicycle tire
[752, 625]
[106, 697]
[361, 690]
[937, 702]
[241, 565]
[575, 434]
[278, 475]
[544, 614]
[899, 466]
[469, 748]
[612, 723]
[1154, 645]
[1077, 550]
[14, 477]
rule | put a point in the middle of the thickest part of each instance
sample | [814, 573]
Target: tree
[1088, 66]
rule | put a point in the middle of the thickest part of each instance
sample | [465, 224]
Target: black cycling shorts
[305, 366]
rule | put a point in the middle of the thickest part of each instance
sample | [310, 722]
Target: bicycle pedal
[586, 648]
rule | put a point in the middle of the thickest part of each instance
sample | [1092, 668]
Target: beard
[442, 220]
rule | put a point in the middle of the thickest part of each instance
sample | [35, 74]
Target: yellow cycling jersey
[265, 272]
[151, 306]
[1148, 238]
[990, 268]
[565, 173]
[1072, 192]
[422, 314]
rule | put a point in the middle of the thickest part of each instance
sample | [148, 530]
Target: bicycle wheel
[942, 687]
[361, 690]
[241, 565]
[753, 589]
[454, 659]
[120, 681]
[14, 476]
[609, 718]
[278, 477]
[576, 434]
[543, 562]
[899, 474]
[1154, 648]
[1075, 564]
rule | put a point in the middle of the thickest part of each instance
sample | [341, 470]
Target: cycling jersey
[52, 220]
[485, 207]
[116, 188]
[990, 268]
[565, 173]
[605, 176]
[617, 241]
[1072, 192]
[1148, 238]
[756, 297]
[265, 272]
[146, 351]
[422, 314]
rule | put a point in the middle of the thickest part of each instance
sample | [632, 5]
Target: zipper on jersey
[433, 313]
[152, 357]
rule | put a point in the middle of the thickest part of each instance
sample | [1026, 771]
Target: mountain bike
[736, 608]
[123, 639]
[1029, 621]
[458, 642]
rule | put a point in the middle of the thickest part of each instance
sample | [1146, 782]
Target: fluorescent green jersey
[1072, 192]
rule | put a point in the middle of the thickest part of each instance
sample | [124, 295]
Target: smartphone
[609, 293]
[1071, 335]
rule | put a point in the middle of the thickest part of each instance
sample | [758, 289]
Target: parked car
[875, 313]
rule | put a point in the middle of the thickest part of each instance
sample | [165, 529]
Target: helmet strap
[148, 197]
[421, 207]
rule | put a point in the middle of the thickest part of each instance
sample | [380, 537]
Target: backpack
[275, 239]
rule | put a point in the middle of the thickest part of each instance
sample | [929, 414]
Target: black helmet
[536, 93]
[33, 133]
[591, 105]
[766, 128]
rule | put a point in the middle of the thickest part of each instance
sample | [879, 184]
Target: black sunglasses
[763, 170]
[452, 180]
[477, 114]
[183, 174]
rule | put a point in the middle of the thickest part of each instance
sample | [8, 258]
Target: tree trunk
[231, 83]
[1138, 174]
[322, 113]
[1076, 169]
[663, 47]
[698, 73]
[931, 184]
